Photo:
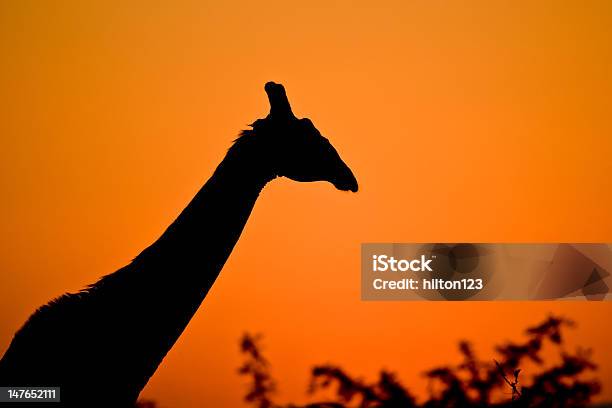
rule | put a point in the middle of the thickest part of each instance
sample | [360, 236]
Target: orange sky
[487, 122]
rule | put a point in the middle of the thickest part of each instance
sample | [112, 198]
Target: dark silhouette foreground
[102, 345]
[472, 383]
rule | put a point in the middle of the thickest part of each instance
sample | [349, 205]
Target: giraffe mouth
[346, 182]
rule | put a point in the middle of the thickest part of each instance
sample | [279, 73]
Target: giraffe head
[296, 148]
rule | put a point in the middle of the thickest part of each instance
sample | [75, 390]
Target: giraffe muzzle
[346, 181]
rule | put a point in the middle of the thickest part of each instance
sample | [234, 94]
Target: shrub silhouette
[471, 383]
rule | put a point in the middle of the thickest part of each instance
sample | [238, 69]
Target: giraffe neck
[202, 237]
[126, 323]
[182, 265]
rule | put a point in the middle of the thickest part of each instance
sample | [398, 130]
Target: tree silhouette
[471, 383]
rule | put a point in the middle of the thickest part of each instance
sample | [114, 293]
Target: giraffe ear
[279, 104]
[257, 123]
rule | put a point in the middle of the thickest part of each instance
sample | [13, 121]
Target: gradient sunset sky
[482, 121]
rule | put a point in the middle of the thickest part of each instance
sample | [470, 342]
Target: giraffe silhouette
[102, 344]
